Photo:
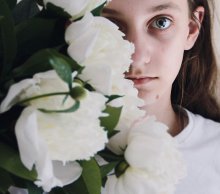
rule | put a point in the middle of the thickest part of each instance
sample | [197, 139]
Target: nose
[142, 55]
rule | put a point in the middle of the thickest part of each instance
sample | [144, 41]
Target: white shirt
[199, 143]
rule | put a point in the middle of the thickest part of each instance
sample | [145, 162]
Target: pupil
[162, 23]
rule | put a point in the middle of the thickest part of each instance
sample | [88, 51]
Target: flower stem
[42, 96]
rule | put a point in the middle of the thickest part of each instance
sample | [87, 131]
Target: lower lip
[141, 81]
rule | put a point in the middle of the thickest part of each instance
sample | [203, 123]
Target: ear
[194, 27]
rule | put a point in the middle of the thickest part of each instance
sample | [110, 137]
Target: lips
[141, 80]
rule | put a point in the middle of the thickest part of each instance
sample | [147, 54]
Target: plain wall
[216, 40]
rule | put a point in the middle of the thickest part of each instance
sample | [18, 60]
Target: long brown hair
[195, 85]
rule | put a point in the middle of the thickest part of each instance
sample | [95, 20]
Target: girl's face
[160, 31]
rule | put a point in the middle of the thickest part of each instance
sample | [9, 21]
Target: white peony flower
[98, 45]
[76, 8]
[133, 181]
[155, 165]
[14, 93]
[131, 112]
[34, 151]
[46, 140]
[130, 101]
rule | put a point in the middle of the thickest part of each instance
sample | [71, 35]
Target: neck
[164, 112]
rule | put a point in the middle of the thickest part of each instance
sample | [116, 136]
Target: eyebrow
[165, 6]
[157, 8]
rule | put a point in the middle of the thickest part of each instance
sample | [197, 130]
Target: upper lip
[140, 77]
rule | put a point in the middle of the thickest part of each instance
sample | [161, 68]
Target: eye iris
[162, 23]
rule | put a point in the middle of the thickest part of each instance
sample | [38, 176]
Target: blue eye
[161, 23]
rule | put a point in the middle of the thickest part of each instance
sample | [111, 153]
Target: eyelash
[122, 26]
[151, 26]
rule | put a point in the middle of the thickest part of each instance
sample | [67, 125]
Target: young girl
[174, 70]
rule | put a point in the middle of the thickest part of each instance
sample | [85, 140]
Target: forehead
[125, 6]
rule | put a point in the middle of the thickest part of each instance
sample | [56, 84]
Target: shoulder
[205, 138]
[199, 131]
[202, 124]
[199, 144]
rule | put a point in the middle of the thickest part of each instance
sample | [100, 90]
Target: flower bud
[78, 93]
[121, 168]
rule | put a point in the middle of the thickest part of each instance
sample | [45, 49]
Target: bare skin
[161, 31]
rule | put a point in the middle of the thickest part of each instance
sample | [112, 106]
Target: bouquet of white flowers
[69, 121]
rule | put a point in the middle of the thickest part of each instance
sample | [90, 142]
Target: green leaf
[77, 187]
[112, 119]
[33, 189]
[44, 60]
[58, 190]
[73, 108]
[39, 33]
[91, 176]
[39, 62]
[6, 181]
[11, 3]
[97, 11]
[8, 43]
[106, 169]
[57, 11]
[24, 10]
[62, 67]
[112, 97]
[10, 161]
[109, 156]
[40, 2]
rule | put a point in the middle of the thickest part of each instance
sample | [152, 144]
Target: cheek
[172, 52]
[173, 42]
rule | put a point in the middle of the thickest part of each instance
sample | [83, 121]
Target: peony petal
[51, 74]
[77, 34]
[150, 137]
[17, 190]
[67, 173]
[100, 77]
[55, 173]
[86, 45]
[78, 28]
[121, 187]
[68, 136]
[110, 185]
[44, 168]
[118, 142]
[151, 147]
[137, 181]
[131, 182]
[34, 151]
[27, 137]
[13, 94]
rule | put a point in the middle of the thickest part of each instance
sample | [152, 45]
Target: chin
[148, 99]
